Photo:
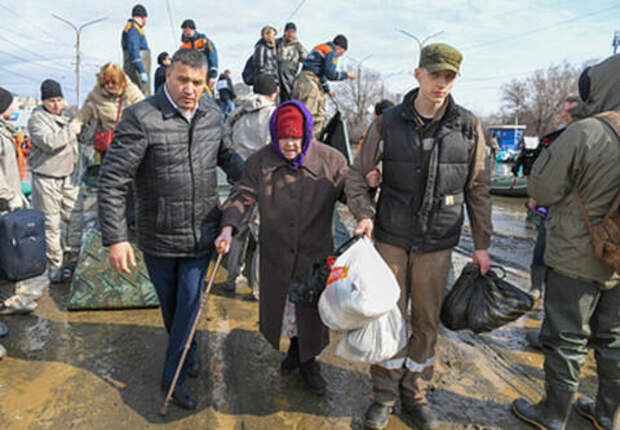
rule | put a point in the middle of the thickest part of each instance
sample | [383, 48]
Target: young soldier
[433, 153]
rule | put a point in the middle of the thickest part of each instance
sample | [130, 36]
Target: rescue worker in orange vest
[193, 40]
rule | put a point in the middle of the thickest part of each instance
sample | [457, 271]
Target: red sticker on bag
[337, 274]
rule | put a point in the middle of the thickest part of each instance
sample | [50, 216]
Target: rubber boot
[291, 361]
[377, 416]
[550, 414]
[422, 415]
[587, 409]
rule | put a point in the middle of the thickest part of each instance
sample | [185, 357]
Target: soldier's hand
[222, 243]
[332, 93]
[482, 260]
[364, 226]
[121, 257]
[373, 178]
[351, 74]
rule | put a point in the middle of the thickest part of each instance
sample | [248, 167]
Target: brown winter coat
[296, 207]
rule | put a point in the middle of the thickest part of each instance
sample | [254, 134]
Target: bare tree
[537, 100]
[355, 97]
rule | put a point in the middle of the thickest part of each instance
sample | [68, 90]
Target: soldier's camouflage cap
[440, 56]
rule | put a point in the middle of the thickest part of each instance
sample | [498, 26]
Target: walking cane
[203, 302]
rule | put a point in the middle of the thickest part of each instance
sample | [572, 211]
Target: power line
[51, 36]
[296, 10]
[31, 52]
[539, 29]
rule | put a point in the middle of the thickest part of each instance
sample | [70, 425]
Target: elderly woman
[296, 183]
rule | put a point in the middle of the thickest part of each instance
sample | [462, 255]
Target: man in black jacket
[170, 145]
[265, 57]
[226, 90]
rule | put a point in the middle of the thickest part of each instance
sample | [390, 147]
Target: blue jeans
[178, 282]
[227, 107]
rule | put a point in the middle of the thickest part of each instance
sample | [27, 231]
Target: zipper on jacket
[191, 174]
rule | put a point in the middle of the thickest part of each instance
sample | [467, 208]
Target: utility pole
[616, 41]
[78, 30]
[420, 42]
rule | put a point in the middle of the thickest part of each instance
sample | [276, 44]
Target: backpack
[248, 71]
[606, 234]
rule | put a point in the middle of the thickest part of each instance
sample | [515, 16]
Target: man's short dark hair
[572, 99]
[382, 106]
[189, 57]
[161, 57]
[189, 23]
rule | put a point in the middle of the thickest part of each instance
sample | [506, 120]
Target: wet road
[101, 370]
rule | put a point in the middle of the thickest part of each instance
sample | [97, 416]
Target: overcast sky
[500, 40]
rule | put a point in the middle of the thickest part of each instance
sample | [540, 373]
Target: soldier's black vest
[417, 213]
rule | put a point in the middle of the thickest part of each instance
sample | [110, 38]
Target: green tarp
[96, 286]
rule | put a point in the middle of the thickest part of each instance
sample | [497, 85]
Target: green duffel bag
[96, 286]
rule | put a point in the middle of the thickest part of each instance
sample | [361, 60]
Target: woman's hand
[222, 243]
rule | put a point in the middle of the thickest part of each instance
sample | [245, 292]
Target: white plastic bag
[361, 287]
[377, 341]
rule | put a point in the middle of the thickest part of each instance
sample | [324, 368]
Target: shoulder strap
[583, 212]
[118, 111]
[612, 119]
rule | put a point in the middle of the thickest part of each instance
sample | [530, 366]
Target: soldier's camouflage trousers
[308, 90]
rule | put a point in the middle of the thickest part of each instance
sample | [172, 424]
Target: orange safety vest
[22, 161]
[198, 44]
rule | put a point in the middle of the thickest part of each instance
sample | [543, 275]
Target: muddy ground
[101, 370]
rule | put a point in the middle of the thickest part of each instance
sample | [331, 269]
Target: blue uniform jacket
[202, 43]
[322, 61]
[134, 41]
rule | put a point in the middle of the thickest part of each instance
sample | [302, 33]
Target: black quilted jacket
[172, 162]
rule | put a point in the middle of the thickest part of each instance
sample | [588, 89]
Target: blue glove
[144, 78]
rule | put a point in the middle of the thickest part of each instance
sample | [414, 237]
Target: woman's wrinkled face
[290, 147]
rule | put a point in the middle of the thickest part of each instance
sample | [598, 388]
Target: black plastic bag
[308, 286]
[483, 302]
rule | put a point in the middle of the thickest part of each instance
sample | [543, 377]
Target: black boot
[422, 415]
[181, 396]
[377, 416]
[587, 408]
[533, 339]
[291, 361]
[311, 372]
[551, 413]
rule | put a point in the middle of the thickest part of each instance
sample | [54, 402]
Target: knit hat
[139, 10]
[290, 26]
[189, 23]
[264, 84]
[289, 122]
[341, 41]
[382, 106]
[6, 98]
[50, 89]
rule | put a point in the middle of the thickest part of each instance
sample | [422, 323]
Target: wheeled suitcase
[22, 244]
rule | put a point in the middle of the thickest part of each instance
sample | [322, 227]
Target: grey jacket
[11, 197]
[172, 162]
[54, 150]
[586, 156]
[247, 128]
